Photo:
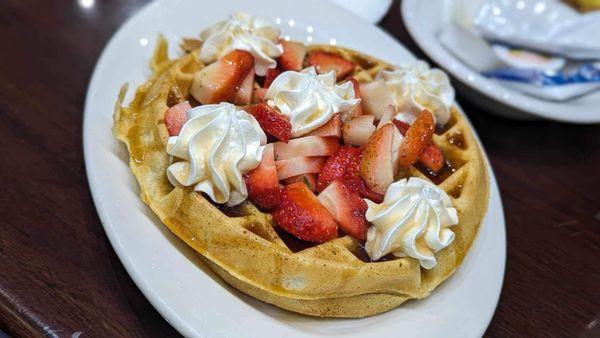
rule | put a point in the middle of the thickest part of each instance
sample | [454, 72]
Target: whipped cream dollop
[310, 100]
[217, 146]
[413, 221]
[415, 86]
[246, 32]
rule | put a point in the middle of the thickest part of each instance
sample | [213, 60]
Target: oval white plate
[426, 19]
[171, 276]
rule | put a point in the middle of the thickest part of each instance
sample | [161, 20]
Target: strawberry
[345, 164]
[326, 61]
[346, 207]
[271, 121]
[418, 136]
[358, 130]
[262, 182]
[270, 77]
[333, 128]
[176, 117]
[298, 165]
[432, 158]
[388, 116]
[402, 126]
[358, 110]
[379, 159]
[220, 80]
[301, 214]
[309, 179]
[306, 146]
[259, 95]
[293, 55]
[375, 98]
[243, 96]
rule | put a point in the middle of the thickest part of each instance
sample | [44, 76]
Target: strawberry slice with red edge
[309, 179]
[325, 62]
[306, 146]
[301, 214]
[358, 109]
[219, 81]
[270, 77]
[243, 95]
[433, 158]
[262, 182]
[299, 165]
[293, 55]
[271, 121]
[176, 117]
[333, 128]
[346, 207]
[417, 137]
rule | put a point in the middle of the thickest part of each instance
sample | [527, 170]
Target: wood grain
[59, 275]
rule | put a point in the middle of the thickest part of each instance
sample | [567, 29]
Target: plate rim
[496, 92]
[136, 274]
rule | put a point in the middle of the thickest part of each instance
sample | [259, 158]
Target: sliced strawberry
[219, 81]
[333, 128]
[433, 158]
[387, 116]
[402, 126]
[375, 98]
[271, 121]
[346, 207]
[309, 179]
[306, 146]
[262, 182]
[358, 109]
[293, 55]
[358, 130]
[377, 165]
[259, 95]
[325, 62]
[302, 215]
[243, 96]
[176, 117]
[270, 77]
[298, 165]
[418, 136]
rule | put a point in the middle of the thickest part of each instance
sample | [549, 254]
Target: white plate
[425, 21]
[170, 275]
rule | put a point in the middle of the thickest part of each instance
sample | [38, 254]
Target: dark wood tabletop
[59, 275]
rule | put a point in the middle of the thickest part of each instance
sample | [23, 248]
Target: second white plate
[169, 273]
[425, 21]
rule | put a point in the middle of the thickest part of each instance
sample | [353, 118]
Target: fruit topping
[388, 116]
[325, 62]
[378, 165]
[243, 96]
[358, 109]
[270, 77]
[271, 121]
[309, 179]
[176, 117]
[306, 146]
[418, 136]
[293, 55]
[301, 214]
[333, 128]
[358, 130]
[263, 183]
[298, 165]
[346, 207]
[219, 81]
[375, 98]
[432, 158]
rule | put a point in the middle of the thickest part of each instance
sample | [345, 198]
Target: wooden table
[59, 275]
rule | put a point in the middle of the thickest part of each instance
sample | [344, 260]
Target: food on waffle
[314, 178]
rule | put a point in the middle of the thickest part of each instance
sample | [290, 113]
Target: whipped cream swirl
[310, 100]
[416, 87]
[246, 32]
[217, 145]
[412, 221]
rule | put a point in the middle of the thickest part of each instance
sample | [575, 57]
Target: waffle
[243, 245]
